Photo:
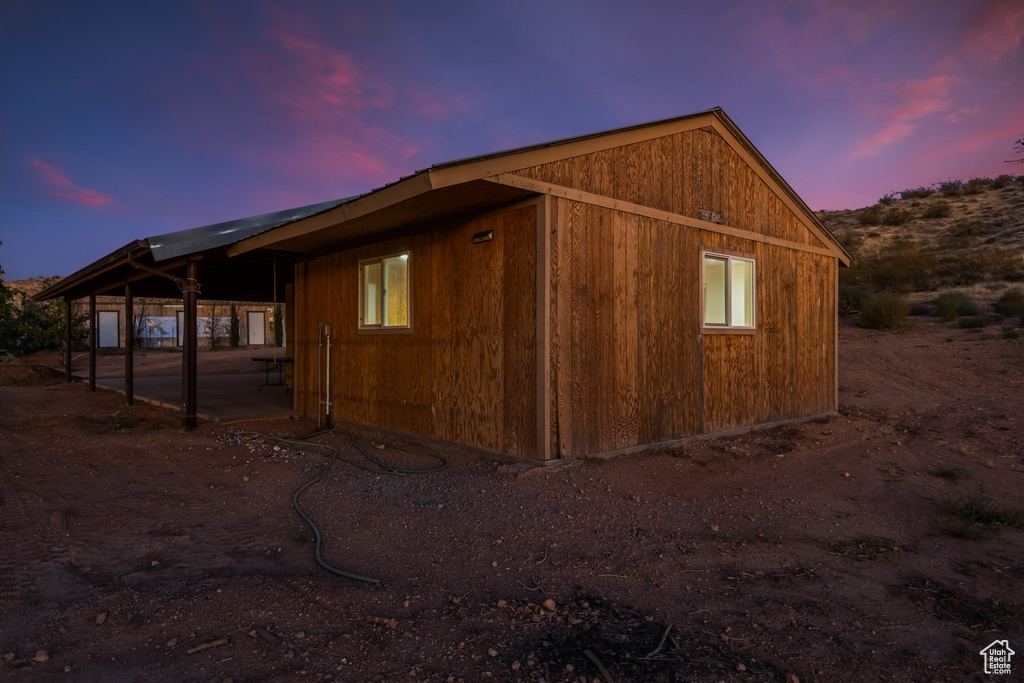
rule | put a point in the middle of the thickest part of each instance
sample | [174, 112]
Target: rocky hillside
[952, 234]
[31, 286]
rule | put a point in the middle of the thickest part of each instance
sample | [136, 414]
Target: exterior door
[109, 329]
[257, 321]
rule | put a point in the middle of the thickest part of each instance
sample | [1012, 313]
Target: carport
[189, 264]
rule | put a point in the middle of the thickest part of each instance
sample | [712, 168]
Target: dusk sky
[121, 120]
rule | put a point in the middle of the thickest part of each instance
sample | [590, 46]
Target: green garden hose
[378, 467]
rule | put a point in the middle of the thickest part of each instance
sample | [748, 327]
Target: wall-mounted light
[485, 236]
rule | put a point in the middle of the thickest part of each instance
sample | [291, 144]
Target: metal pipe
[92, 342]
[189, 294]
[129, 345]
[319, 373]
[327, 329]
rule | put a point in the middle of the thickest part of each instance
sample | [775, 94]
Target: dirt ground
[876, 545]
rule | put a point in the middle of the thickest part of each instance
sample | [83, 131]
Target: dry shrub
[1011, 303]
[852, 297]
[951, 188]
[976, 185]
[952, 305]
[940, 209]
[917, 193]
[1002, 181]
[902, 266]
[885, 311]
[871, 215]
[897, 217]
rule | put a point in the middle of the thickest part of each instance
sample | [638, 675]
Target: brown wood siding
[629, 365]
[681, 173]
[467, 371]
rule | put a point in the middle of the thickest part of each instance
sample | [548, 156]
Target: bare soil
[827, 550]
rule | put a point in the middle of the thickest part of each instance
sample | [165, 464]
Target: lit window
[728, 291]
[384, 292]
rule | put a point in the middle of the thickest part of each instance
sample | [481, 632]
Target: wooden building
[592, 295]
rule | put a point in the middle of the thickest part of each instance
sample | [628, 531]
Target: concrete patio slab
[222, 398]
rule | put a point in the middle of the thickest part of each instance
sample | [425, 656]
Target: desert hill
[953, 234]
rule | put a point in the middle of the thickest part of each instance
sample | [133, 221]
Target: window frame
[381, 328]
[727, 328]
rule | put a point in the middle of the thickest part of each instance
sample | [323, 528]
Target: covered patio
[191, 264]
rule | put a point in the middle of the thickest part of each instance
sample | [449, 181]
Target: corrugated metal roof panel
[185, 242]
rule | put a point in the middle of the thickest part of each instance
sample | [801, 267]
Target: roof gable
[417, 189]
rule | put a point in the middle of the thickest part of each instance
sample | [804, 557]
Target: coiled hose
[376, 467]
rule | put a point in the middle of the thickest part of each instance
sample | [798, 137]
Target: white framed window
[728, 291]
[384, 288]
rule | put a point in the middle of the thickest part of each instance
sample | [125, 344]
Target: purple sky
[120, 120]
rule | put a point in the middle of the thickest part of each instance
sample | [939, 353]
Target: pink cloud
[322, 83]
[61, 187]
[916, 100]
[997, 30]
[336, 113]
[876, 143]
[1002, 136]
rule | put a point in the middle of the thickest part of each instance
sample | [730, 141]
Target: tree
[140, 323]
[1018, 150]
[215, 326]
[27, 326]
[234, 332]
[278, 326]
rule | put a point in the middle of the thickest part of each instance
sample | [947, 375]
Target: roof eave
[112, 260]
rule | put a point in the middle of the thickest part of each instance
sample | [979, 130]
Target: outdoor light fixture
[485, 236]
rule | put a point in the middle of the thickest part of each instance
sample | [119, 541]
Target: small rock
[101, 618]
[549, 605]
[714, 527]
[154, 563]
[792, 678]
[516, 666]
[379, 446]
[846, 474]
[502, 603]
[277, 448]
[172, 642]
[42, 656]
[740, 667]
[9, 657]
[492, 652]
[725, 638]
[67, 669]
[245, 478]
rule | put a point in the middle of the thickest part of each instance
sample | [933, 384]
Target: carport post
[67, 339]
[92, 342]
[189, 294]
[129, 344]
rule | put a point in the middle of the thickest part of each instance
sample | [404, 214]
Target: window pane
[396, 291]
[714, 291]
[742, 293]
[371, 294]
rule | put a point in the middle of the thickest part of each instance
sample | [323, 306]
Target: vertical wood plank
[543, 328]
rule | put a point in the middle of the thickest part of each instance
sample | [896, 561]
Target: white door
[257, 328]
[109, 334]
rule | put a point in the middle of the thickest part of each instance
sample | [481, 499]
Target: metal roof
[195, 240]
